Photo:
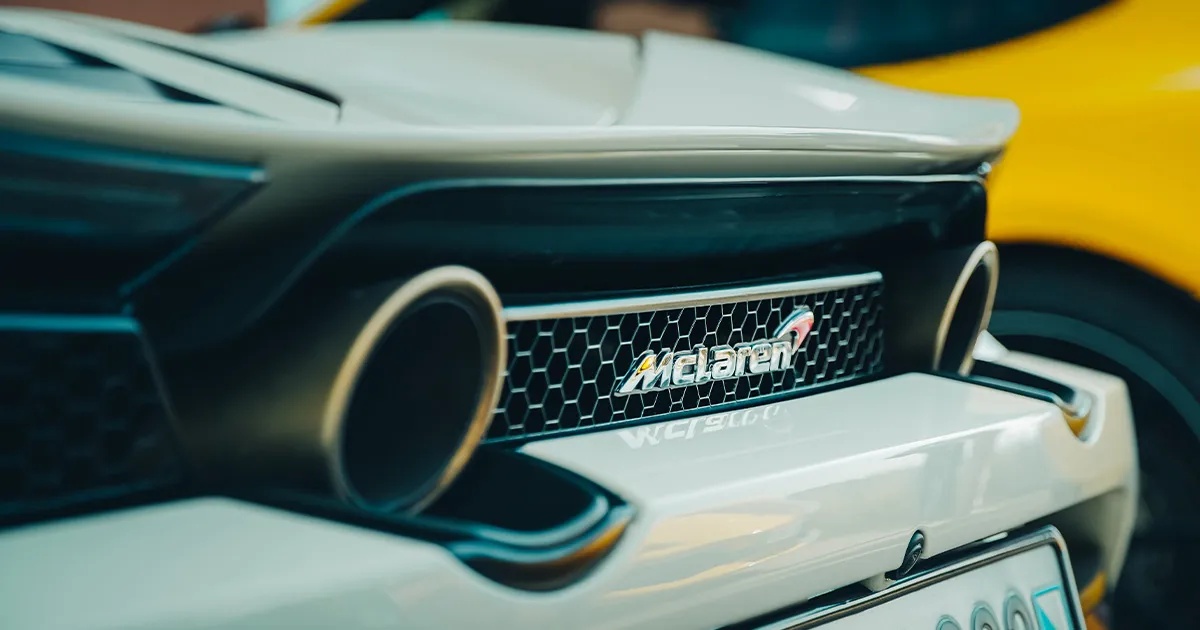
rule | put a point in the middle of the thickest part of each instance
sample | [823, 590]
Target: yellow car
[1093, 204]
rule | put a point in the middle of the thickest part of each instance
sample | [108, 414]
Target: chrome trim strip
[986, 257]
[692, 298]
[1003, 549]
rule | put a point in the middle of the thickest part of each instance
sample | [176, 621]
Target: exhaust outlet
[378, 399]
[937, 307]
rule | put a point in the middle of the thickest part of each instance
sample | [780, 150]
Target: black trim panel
[551, 236]
[515, 519]
[86, 222]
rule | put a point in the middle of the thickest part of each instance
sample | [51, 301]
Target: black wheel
[1102, 314]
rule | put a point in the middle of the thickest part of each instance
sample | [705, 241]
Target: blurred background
[842, 33]
[179, 15]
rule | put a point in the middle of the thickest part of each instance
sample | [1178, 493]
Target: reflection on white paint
[831, 100]
[689, 428]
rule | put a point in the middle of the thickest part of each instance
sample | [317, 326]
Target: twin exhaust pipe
[937, 306]
[379, 398]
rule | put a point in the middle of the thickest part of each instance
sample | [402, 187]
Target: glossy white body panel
[444, 74]
[826, 491]
[738, 514]
[688, 81]
[492, 95]
[1109, 523]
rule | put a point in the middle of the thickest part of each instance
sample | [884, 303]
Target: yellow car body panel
[1108, 152]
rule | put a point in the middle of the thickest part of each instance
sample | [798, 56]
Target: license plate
[1021, 583]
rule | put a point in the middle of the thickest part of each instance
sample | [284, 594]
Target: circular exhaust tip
[968, 310]
[937, 305]
[416, 392]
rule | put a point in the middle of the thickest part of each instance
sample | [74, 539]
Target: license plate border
[969, 559]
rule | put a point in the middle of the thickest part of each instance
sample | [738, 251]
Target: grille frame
[869, 285]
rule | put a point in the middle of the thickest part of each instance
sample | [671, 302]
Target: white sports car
[387, 325]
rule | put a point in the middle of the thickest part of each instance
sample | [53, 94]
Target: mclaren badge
[667, 369]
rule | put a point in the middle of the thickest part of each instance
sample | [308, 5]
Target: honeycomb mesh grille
[81, 419]
[562, 372]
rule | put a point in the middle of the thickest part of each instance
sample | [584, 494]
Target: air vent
[81, 217]
[32, 58]
[82, 421]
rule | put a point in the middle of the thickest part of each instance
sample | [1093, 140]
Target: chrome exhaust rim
[985, 258]
[465, 283]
